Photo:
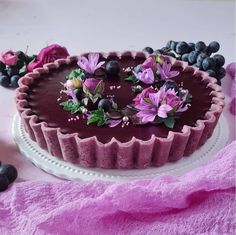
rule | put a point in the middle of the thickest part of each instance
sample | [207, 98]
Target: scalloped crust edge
[136, 153]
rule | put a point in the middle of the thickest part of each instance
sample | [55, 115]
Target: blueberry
[173, 45]
[214, 47]
[170, 54]
[200, 46]
[219, 60]
[220, 72]
[3, 182]
[201, 57]
[158, 51]
[2, 66]
[3, 72]
[211, 73]
[9, 171]
[208, 63]
[182, 48]
[79, 93]
[14, 80]
[4, 81]
[184, 57]
[12, 70]
[21, 55]
[191, 45]
[112, 68]
[104, 104]
[148, 50]
[168, 44]
[219, 82]
[192, 57]
[171, 85]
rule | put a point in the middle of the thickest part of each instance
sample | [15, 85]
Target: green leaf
[92, 120]
[76, 73]
[114, 105]
[169, 121]
[132, 78]
[98, 89]
[71, 106]
[23, 69]
[97, 116]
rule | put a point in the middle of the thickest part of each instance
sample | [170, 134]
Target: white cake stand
[65, 170]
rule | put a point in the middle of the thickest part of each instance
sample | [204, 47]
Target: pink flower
[90, 64]
[93, 86]
[47, 55]
[9, 57]
[165, 71]
[158, 104]
[146, 76]
[148, 63]
[144, 94]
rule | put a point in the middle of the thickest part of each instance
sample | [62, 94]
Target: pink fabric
[199, 202]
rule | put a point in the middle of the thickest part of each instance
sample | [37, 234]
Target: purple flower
[72, 95]
[93, 86]
[47, 55]
[144, 94]
[146, 76]
[91, 64]
[148, 63]
[165, 72]
[158, 104]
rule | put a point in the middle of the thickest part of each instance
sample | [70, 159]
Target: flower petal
[163, 110]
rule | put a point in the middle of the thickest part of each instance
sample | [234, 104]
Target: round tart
[130, 143]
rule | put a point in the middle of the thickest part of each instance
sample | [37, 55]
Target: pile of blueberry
[10, 74]
[197, 54]
[8, 175]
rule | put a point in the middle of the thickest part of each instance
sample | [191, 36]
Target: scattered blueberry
[182, 48]
[201, 57]
[104, 104]
[192, 57]
[112, 68]
[219, 60]
[3, 182]
[173, 45]
[213, 47]
[200, 46]
[12, 70]
[220, 72]
[208, 63]
[14, 80]
[184, 57]
[191, 45]
[170, 54]
[148, 50]
[9, 171]
[4, 81]
[211, 73]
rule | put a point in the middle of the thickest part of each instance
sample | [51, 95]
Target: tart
[122, 138]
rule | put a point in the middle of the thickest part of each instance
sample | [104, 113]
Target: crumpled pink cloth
[199, 202]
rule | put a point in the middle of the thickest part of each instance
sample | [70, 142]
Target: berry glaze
[43, 101]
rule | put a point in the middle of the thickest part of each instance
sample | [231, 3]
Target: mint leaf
[97, 116]
[132, 78]
[76, 73]
[169, 122]
[71, 106]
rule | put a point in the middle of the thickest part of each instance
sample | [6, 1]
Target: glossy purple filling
[44, 92]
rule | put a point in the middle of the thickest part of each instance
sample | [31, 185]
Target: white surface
[102, 26]
[66, 170]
